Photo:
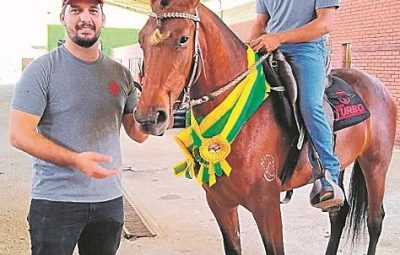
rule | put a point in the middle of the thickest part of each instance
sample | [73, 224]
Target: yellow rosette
[215, 149]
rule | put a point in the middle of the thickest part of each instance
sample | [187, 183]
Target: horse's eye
[183, 40]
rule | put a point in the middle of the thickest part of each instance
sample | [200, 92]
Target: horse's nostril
[161, 116]
[155, 118]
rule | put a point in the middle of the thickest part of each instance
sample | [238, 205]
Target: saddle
[343, 106]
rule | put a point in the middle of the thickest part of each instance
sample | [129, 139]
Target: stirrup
[331, 204]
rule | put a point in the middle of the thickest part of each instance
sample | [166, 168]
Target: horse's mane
[223, 26]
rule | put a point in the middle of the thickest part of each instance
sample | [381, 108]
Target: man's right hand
[89, 164]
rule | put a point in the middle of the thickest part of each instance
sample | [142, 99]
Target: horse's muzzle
[154, 123]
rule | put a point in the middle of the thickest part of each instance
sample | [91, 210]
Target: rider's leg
[308, 61]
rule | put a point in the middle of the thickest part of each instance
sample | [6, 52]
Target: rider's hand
[89, 164]
[266, 43]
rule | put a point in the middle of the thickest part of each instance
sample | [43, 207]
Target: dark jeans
[56, 227]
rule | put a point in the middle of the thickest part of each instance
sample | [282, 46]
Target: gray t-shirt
[81, 106]
[289, 14]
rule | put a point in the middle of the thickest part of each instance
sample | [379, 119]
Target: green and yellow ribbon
[207, 141]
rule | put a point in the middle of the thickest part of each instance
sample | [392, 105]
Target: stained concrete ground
[176, 209]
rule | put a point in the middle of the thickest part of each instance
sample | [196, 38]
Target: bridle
[186, 102]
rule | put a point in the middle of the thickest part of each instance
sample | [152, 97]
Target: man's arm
[132, 128]
[24, 136]
[258, 27]
[312, 30]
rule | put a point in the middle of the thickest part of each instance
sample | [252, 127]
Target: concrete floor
[175, 208]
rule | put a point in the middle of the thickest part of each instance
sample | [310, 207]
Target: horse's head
[168, 43]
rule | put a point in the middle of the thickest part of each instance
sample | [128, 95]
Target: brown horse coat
[260, 149]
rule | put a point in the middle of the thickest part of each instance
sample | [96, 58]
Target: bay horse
[185, 44]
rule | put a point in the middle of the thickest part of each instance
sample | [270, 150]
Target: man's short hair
[67, 2]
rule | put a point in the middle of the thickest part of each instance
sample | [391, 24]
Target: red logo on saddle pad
[346, 109]
[344, 112]
[343, 97]
[114, 88]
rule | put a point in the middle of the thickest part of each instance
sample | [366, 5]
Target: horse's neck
[224, 58]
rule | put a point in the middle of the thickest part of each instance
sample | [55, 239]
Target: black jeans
[56, 227]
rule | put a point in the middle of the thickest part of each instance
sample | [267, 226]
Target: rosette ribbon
[206, 142]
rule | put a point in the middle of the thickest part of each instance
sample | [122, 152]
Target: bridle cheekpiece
[184, 103]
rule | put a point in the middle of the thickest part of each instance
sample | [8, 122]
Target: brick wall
[373, 29]
[240, 19]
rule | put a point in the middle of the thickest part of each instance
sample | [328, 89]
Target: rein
[228, 86]
[186, 102]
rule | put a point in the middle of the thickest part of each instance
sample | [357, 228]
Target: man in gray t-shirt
[299, 28]
[67, 111]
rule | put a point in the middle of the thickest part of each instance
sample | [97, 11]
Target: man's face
[83, 21]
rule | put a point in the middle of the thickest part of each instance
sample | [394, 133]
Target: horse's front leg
[228, 221]
[267, 214]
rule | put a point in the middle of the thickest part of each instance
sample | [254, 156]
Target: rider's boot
[326, 194]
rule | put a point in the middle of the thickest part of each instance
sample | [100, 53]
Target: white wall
[23, 27]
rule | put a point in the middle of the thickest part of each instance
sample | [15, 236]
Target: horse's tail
[358, 201]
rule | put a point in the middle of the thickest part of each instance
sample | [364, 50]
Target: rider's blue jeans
[308, 61]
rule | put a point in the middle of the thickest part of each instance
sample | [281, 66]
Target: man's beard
[85, 43]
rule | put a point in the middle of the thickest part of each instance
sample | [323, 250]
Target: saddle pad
[348, 107]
